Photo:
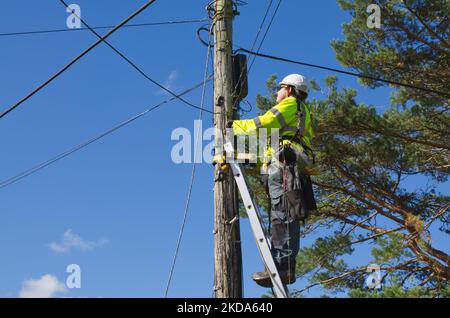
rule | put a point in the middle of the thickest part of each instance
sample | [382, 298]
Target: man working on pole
[287, 169]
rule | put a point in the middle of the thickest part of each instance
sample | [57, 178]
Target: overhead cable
[281, 59]
[80, 146]
[267, 31]
[134, 25]
[253, 45]
[133, 65]
[194, 165]
[73, 61]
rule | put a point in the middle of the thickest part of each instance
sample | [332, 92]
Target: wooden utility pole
[227, 248]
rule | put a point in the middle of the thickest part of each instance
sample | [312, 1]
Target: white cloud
[45, 287]
[71, 241]
[170, 82]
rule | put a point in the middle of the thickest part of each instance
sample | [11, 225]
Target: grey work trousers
[285, 230]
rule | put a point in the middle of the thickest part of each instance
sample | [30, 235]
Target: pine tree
[366, 157]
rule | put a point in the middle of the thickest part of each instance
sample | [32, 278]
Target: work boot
[263, 278]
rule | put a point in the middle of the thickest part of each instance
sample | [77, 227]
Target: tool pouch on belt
[293, 198]
[298, 196]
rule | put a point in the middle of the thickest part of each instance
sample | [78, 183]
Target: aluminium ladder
[264, 245]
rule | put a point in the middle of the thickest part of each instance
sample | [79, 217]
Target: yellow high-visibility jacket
[282, 116]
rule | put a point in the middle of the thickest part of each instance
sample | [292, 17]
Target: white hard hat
[297, 81]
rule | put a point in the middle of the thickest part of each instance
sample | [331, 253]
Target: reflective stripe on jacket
[282, 116]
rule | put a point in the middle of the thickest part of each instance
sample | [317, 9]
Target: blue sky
[123, 197]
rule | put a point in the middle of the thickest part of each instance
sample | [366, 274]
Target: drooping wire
[194, 165]
[133, 65]
[256, 39]
[240, 3]
[80, 146]
[73, 61]
[250, 107]
[104, 27]
[281, 59]
[200, 38]
[262, 24]
[265, 33]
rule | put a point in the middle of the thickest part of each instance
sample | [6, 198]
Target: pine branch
[358, 270]
[426, 25]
